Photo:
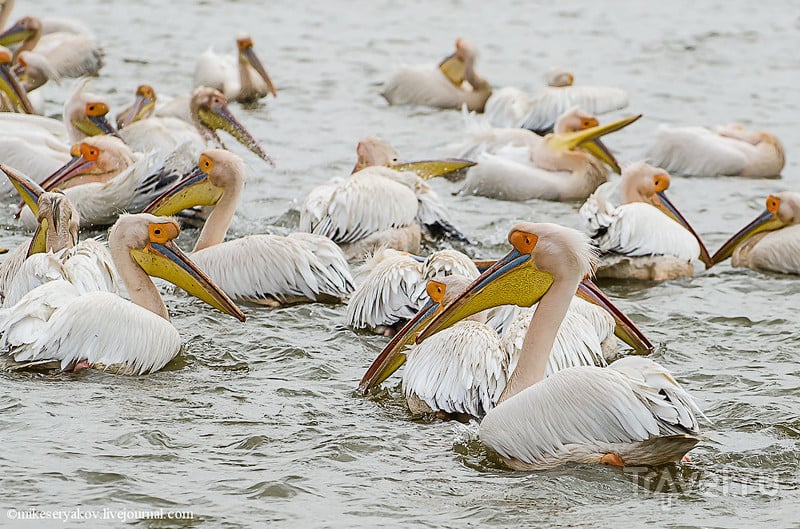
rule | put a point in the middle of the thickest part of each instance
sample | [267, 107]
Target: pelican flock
[524, 346]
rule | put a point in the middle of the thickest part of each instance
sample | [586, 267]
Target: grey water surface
[259, 424]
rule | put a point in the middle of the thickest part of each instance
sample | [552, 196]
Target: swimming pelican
[632, 412]
[725, 151]
[70, 54]
[382, 203]
[241, 77]
[453, 84]
[639, 232]
[142, 107]
[266, 269]
[393, 287]
[553, 169]
[54, 251]
[461, 371]
[771, 242]
[54, 322]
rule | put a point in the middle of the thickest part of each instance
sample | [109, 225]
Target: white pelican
[142, 107]
[510, 107]
[241, 77]
[266, 269]
[105, 178]
[54, 252]
[54, 322]
[452, 84]
[553, 169]
[639, 232]
[771, 242]
[728, 150]
[393, 289]
[14, 97]
[462, 371]
[70, 54]
[631, 413]
[383, 203]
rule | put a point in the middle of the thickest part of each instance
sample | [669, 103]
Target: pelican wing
[366, 203]
[638, 229]
[71, 55]
[260, 267]
[34, 145]
[776, 251]
[55, 322]
[449, 262]
[392, 291]
[507, 107]
[698, 151]
[506, 177]
[34, 271]
[215, 70]
[578, 414]
[9, 268]
[315, 206]
[90, 268]
[164, 134]
[459, 370]
[551, 102]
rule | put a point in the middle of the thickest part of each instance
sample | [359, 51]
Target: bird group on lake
[526, 344]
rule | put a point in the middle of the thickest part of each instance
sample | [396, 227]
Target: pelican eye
[435, 290]
[96, 109]
[88, 152]
[162, 232]
[523, 242]
[773, 203]
[206, 163]
[661, 182]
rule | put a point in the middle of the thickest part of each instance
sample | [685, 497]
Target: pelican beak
[39, 240]
[625, 329]
[143, 106]
[664, 204]
[84, 158]
[768, 220]
[195, 189]
[453, 68]
[250, 57]
[12, 87]
[27, 188]
[512, 280]
[17, 33]
[162, 258]
[428, 169]
[221, 118]
[589, 140]
[394, 354]
[95, 123]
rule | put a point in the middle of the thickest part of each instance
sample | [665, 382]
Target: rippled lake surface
[259, 424]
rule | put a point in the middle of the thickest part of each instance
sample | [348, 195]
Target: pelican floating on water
[382, 203]
[55, 322]
[450, 85]
[631, 413]
[771, 242]
[241, 77]
[639, 232]
[266, 269]
[725, 151]
[393, 289]
[551, 169]
[511, 107]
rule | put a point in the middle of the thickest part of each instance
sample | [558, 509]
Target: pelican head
[558, 77]
[33, 70]
[441, 291]
[150, 241]
[10, 85]
[454, 66]
[587, 138]
[86, 113]
[210, 112]
[142, 107]
[783, 209]
[58, 222]
[375, 151]
[27, 30]
[573, 120]
[95, 159]
[29, 190]
[248, 57]
[644, 183]
[218, 172]
[542, 255]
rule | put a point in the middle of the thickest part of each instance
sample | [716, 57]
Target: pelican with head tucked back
[771, 242]
[638, 230]
[562, 166]
[728, 150]
[382, 203]
[265, 269]
[241, 77]
[452, 84]
[55, 322]
[631, 413]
